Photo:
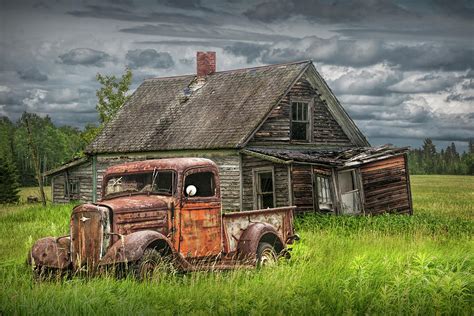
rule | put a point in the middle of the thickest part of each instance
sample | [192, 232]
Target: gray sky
[404, 70]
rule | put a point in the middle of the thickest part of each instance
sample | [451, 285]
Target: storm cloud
[138, 58]
[250, 51]
[360, 53]
[337, 11]
[402, 69]
[33, 74]
[85, 56]
[327, 11]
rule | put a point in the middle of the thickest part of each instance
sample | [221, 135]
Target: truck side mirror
[191, 190]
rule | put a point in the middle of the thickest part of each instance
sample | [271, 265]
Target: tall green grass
[390, 264]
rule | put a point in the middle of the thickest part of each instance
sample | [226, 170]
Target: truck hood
[137, 203]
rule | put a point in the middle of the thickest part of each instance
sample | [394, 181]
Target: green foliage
[9, 187]
[112, 95]
[55, 145]
[90, 132]
[6, 138]
[387, 265]
[427, 160]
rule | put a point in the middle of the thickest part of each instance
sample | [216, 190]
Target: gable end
[326, 122]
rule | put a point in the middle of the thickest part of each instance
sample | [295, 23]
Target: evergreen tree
[426, 160]
[429, 155]
[8, 182]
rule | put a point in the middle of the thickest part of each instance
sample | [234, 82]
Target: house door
[349, 192]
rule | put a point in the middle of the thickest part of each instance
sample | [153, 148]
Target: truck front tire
[153, 264]
[266, 255]
[42, 273]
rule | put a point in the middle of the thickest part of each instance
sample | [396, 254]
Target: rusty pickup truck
[164, 209]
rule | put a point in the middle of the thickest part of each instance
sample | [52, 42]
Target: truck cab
[165, 208]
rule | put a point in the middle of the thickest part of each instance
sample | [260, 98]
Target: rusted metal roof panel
[177, 164]
[188, 113]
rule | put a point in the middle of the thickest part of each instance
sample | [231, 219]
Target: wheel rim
[147, 268]
[267, 258]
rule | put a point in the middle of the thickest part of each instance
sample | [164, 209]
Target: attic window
[299, 121]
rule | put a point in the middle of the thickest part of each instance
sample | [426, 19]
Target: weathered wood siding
[82, 174]
[249, 164]
[386, 187]
[302, 182]
[228, 170]
[324, 128]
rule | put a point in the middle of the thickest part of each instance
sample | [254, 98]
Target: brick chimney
[206, 63]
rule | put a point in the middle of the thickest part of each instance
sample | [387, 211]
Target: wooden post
[36, 163]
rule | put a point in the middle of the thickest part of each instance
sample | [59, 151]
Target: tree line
[427, 160]
[54, 145]
[34, 144]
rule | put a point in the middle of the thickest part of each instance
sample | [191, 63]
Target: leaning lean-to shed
[278, 134]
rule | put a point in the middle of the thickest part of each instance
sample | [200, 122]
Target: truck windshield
[155, 182]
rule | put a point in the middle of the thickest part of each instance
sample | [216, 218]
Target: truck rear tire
[266, 255]
[152, 264]
[42, 273]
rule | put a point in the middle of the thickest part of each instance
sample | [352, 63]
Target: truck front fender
[51, 252]
[253, 235]
[130, 248]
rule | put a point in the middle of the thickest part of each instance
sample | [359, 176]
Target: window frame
[257, 194]
[107, 177]
[328, 197]
[69, 184]
[194, 170]
[308, 121]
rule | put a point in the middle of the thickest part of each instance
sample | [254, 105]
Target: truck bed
[235, 223]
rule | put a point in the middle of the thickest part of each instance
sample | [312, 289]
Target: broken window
[324, 193]
[299, 121]
[158, 182]
[203, 182]
[71, 188]
[264, 189]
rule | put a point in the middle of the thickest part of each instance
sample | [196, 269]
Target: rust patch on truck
[51, 252]
[88, 227]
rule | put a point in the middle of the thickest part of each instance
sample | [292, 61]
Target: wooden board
[386, 187]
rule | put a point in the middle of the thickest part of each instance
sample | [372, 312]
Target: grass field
[34, 191]
[421, 264]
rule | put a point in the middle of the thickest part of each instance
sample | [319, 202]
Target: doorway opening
[349, 191]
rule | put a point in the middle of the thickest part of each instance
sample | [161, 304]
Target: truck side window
[204, 183]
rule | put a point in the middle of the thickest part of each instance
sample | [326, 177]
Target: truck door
[200, 214]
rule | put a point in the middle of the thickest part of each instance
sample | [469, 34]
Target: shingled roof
[185, 112]
[332, 157]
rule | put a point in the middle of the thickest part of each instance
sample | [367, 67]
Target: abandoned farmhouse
[278, 134]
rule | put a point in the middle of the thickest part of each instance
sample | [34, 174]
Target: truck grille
[86, 237]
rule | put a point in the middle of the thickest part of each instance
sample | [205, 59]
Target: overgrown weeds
[421, 264]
